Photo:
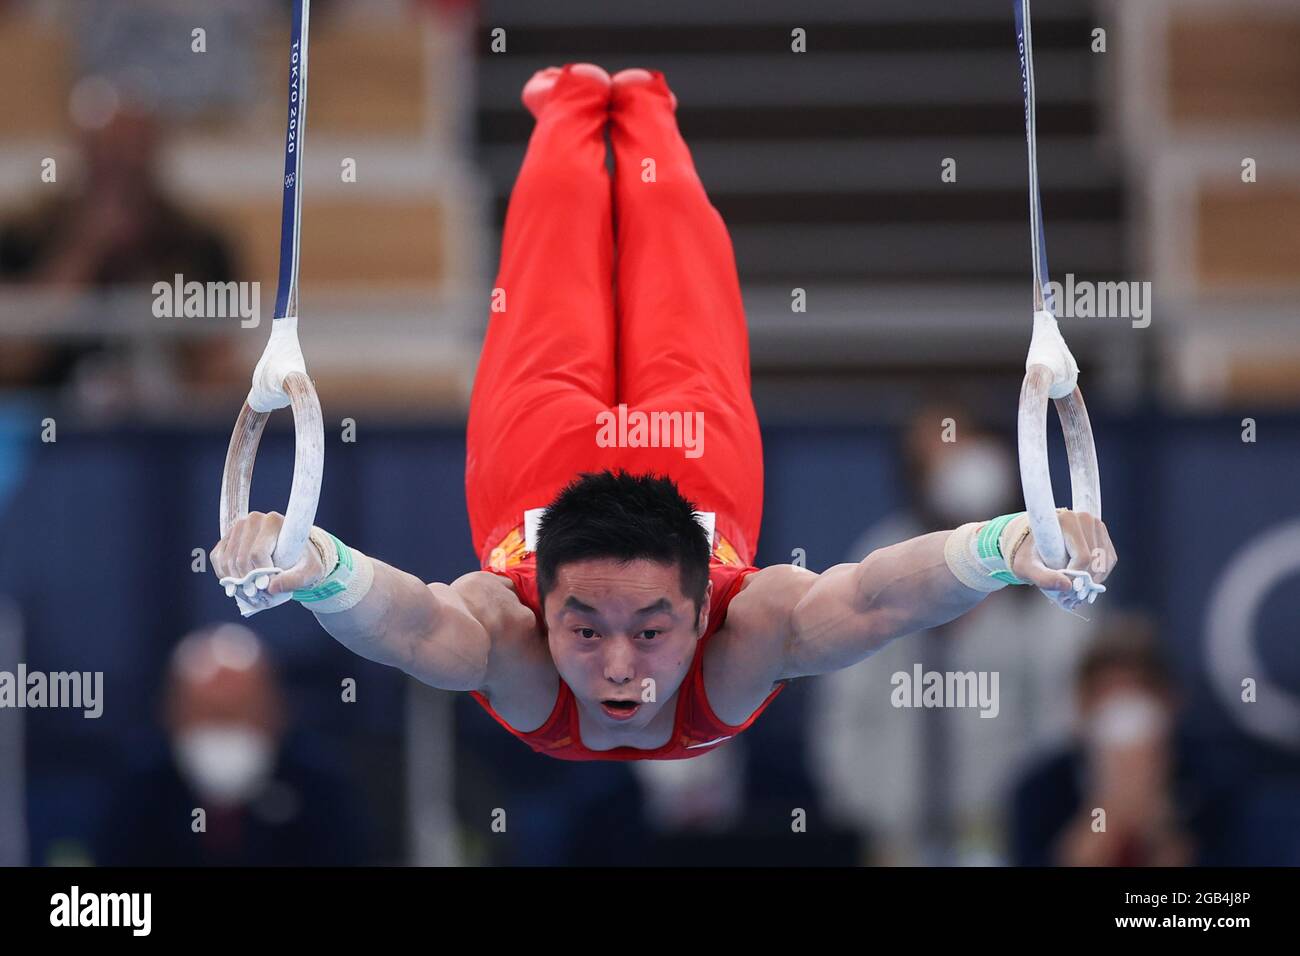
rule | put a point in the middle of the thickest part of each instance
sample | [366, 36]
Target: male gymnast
[625, 621]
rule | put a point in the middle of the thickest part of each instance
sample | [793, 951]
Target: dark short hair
[1129, 644]
[626, 517]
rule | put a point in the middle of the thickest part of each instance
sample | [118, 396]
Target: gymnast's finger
[1104, 555]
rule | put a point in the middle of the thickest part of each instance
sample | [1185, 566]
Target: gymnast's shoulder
[493, 602]
[746, 657]
[769, 595]
[520, 678]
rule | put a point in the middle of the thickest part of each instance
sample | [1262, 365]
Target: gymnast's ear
[702, 619]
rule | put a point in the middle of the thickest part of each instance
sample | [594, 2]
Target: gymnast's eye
[650, 635]
[586, 633]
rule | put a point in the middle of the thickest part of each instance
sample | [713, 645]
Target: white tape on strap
[1048, 348]
[282, 355]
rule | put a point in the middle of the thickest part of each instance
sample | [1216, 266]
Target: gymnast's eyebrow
[571, 603]
[663, 604]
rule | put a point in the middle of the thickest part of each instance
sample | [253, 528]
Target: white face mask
[971, 483]
[226, 763]
[1126, 719]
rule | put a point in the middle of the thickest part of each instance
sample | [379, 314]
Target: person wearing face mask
[941, 800]
[1126, 761]
[265, 798]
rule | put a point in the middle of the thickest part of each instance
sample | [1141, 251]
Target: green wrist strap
[988, 546]
[332, 585]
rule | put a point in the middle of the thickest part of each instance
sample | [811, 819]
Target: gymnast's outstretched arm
[441, 634]
[818, 623]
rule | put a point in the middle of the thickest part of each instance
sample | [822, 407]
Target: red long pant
[653, 321]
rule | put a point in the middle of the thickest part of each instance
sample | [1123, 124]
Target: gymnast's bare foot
[625, 80]
[537, 91]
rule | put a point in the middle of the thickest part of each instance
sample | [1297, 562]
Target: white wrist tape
[959, 552]
[974, 552]
[346, 584]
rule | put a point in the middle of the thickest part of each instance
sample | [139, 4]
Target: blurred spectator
[700, 794]
[1124, 759]
[116, 228]
[926, 785]
[734, 806]
[267, 797]
[560, 813]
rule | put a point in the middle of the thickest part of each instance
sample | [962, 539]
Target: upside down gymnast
[617, 615]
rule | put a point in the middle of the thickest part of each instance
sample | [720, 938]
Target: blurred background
[135, 149]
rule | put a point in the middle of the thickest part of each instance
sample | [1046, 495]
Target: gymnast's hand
[248, 548]
[1091, 553]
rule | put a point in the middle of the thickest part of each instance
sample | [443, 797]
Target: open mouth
[620, 709]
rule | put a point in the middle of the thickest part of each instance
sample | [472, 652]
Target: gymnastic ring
[1035, 468]
[308, 468]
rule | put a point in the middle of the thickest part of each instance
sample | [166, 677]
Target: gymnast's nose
[620, 660]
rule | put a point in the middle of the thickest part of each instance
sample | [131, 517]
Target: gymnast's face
[622, 636]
